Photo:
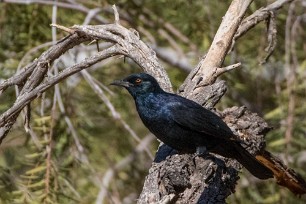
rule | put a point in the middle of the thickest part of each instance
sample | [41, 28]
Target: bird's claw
[200, 152]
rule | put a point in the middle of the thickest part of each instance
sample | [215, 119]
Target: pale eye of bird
[138, 81]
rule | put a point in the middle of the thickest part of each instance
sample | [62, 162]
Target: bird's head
[139, 84]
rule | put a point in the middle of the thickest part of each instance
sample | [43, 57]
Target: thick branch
[204, 72]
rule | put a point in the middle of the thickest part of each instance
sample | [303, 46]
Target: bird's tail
[254, 166]
[264, 165]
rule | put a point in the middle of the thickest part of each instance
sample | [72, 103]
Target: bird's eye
[138, 81]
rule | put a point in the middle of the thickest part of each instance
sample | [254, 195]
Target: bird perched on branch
[188, 127]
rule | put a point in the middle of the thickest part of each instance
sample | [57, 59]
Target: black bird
[186, 126]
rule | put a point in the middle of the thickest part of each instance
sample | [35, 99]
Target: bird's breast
[153, 111]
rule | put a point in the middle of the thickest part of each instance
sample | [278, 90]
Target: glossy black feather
[185, 125]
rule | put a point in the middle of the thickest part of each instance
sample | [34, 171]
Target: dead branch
[271, 37]
[127, 43]
[258, 16]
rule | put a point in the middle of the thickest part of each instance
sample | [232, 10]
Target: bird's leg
[201, 150]
[204, 153]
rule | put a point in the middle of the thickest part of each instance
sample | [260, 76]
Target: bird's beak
[125, 84]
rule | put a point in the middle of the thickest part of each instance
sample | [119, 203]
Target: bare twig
[217, 72]
[49, 150]
[73, 6]
[291, 70]
[83, 157]
[110, 173]
[173, 58]
[116, 115]
[68, 30]
[168, 27]
[228, 68]
[167, 31]
[257, 17]
[49, 138]
[73, 132]
[272, 31]
[172, 42]
[91, 14]
[35, 139]
[117, 21]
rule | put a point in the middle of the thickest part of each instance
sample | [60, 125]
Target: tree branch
[258, 16]
[126, 42]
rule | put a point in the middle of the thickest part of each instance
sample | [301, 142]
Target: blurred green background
[80, 163]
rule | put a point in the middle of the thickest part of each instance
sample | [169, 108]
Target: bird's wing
[194, 117]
